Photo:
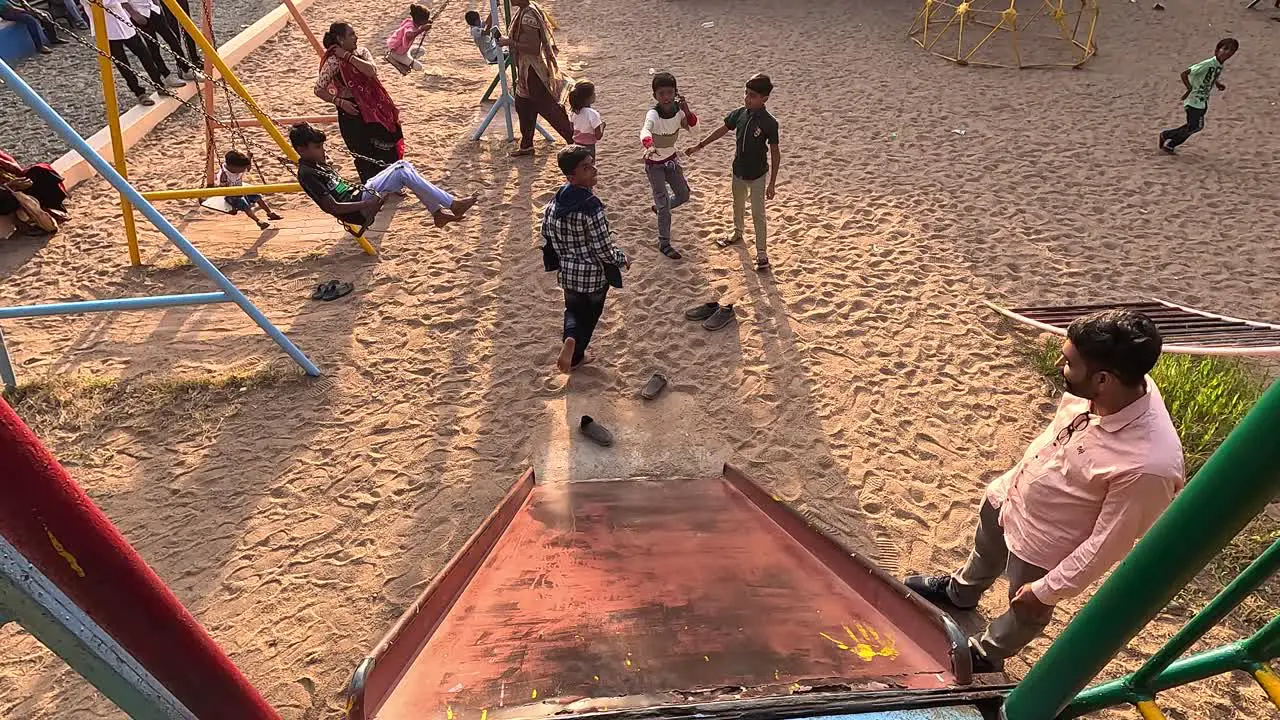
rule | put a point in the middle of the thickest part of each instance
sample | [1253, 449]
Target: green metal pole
[1236, 484]
[1218, 608]
[1264, 645]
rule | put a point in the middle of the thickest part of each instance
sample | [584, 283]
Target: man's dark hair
[1122, 342]
[760, 84]
[304, 134]
[664, 79]
[420, 15]
[1228, 43]
[472, 17]
[570, 157]
[235, 158]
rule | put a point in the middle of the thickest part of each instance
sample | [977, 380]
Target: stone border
[140, 120]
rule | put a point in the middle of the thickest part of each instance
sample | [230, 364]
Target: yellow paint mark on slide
[535, 694]
[484, 714]
[71, 559]
[867, 643]
[448, 712]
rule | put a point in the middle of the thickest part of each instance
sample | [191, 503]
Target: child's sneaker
[174, 82]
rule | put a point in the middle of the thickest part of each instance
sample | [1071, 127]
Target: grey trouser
[660, 176]
[990, 557]
[756, 188]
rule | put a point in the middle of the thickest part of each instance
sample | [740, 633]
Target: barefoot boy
[358, 205]
[577, 232]
[754, 128]
[1200, 80]
[234, 166]
[662, 126]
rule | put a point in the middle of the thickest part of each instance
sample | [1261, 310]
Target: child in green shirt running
[1200, 79]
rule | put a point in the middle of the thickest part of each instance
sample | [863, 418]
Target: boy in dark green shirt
[754, 129]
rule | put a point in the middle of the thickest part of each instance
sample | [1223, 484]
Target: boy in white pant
[352, 204]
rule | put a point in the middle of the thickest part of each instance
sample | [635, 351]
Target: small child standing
[1200, 80]
[755, 128]
[588, 127]
[662, 126]
[400, 42]
[483, 36]
[234, 166]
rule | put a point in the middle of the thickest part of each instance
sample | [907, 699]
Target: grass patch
[73, 412]
[1207, 397]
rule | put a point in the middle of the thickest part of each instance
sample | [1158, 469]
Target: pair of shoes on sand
[762, 260]
[712, 315]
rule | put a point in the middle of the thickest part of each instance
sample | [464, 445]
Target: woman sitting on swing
[367, 118]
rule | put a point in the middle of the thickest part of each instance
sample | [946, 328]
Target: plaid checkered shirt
[584, 244]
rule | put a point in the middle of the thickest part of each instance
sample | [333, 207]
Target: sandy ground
[863, 382]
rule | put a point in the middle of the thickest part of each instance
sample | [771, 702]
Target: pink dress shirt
[1077, 507]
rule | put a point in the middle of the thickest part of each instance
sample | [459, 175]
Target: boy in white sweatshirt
[662, 125]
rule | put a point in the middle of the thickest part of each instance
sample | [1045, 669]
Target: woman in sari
[539, 86]
[34, 195]
[367, 118]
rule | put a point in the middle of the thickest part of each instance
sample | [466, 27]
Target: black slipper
[595, 432]
[721, 317]
[670, 252]
[654, 387]
[323, 288]
[701, 312]
[332, 290]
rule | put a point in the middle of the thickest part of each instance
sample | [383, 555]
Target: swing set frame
[213, 62]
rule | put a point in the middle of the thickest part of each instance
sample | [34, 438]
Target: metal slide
[671, 598]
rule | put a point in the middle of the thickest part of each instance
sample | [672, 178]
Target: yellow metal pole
[208, 49]
[222, 191]
[113, 122]
[1270, 683]
[1149, 710]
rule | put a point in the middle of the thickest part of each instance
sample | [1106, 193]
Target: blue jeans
[660, 176]
[400, 175]
[242, 202]
[27, 21]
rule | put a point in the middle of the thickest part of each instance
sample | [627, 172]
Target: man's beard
[1074, 389]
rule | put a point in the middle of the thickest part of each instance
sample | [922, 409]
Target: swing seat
[404, 69]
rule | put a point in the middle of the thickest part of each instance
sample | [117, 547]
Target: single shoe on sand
[721, 317]
[595, 432]
[564, 361]
[701, 312]
[654, 387]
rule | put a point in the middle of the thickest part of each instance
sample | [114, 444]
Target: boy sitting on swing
[356, 204]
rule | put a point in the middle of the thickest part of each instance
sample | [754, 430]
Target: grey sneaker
[173, 81]
[146, 99]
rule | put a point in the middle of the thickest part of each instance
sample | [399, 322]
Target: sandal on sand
[595, 432]
[332, 290]
[733, 239]
[701, 312]
[721, 317]
[522, 152]
[654, 387]
[264, 225]
[670, 252]
[565, 359]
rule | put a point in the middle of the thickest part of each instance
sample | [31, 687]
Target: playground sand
[863, 381]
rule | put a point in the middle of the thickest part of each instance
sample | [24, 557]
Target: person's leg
[159, 25]
[550, 109]
[661, 201]
[401, 175]
[986, 561]
[679, 185]
[193, 53]
[1011, 632]
[126, 71]
[147, 37]
[576, 310]
[527, 112]
[1175, 137]
[138, 47]
[592, 310]
[758, 219]
[72, 8]
[29, 23]
[739, 207]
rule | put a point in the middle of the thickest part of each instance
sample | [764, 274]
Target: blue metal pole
[77, 143]
[111, 305]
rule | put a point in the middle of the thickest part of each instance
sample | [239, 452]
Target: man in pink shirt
[1085, 490]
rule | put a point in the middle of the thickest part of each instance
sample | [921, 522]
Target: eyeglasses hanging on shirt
[1080, 422]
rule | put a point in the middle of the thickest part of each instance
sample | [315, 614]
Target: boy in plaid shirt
[577, 242]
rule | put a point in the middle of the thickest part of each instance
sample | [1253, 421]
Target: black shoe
[981, 663]
[931, 587]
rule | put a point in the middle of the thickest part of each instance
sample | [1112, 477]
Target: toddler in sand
[662, 126]
[234, 166]
[400, 42]
[588, 128]
[1200, 80]
[754, 128]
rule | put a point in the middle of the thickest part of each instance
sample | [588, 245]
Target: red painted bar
[51, 521]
